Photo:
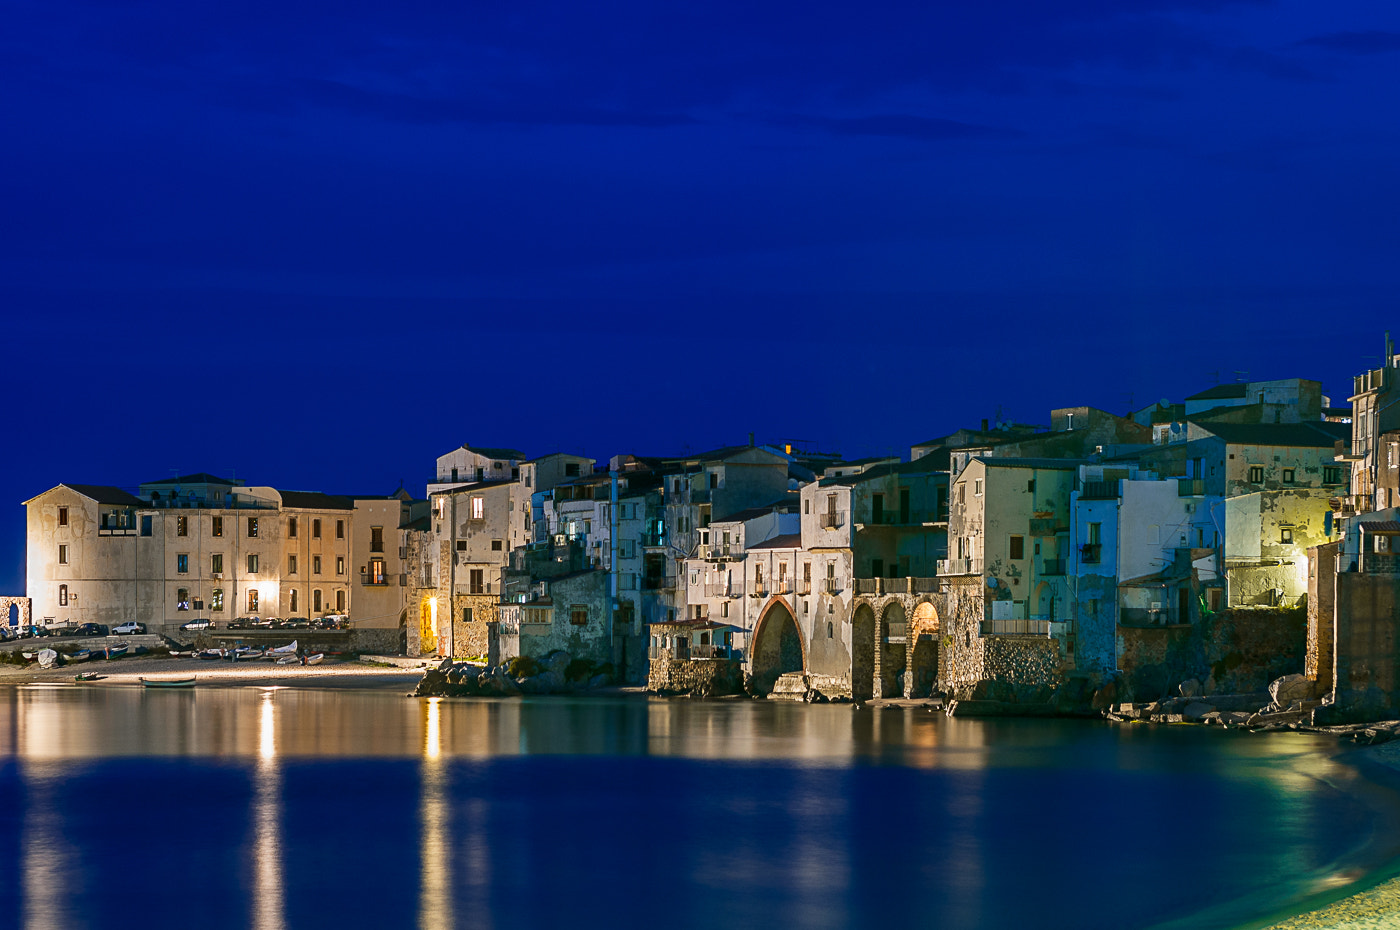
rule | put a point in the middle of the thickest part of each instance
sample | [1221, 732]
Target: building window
[252, 600]
[291, 565]
[495, 545]
[1256, 474]
[146, 525]
[315, 529]
[578, 615]
[291, 527]
[977, 487]
[316, 601]
[376, 571]
[62, 555]
[467, 615]
[1331, 474]
[252, 527]
[1018, 547]
[252, 564]
[315, 565]
[376, 539]
[63, 516]
[216, 599]
[340, 600]
[1286, 535]
[830, 629]
[182, 599]
[216, 563]
[217, 528]
[478, 583]
[182, 526]
[63, 595]
[461, 545]
[571, 469]
[478, 508]
[340, 565]
[294, 600]
[182, 564]
[340, 529]
[1288, 474]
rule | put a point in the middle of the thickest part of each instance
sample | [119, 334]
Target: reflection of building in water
[435, 851]
[46, 859]
[268, 904]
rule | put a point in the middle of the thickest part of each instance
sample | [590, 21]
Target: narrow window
[340, 529]
[315, 529]
[252, 600]
[182, 598]
[316, 566]
[63, 516]
[1018, 547]
[63, 595]
[252, 527]
[182, 564]
[294, 600]
[291, 527]
[1256, 474]
[146, 525]
[830, 629]
[291, 565]
[217, 527]
[182, 526]
[216, 599]
[216, 563]
[316, 601]
[340, 600]
[477, 578]
[376, 539]
[340, 565]
[478, 508]
[62, 555]
[252, 564]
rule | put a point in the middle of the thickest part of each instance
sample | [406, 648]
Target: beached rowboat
[48, 658]
[167, 682]
[209, 654]
[86, 677]
[82, 655]
[314, 660]
[116, 652]
[289, 649]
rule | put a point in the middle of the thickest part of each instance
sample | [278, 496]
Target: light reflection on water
[815, 816]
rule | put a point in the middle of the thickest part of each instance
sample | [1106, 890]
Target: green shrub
[580, 670]
[523, 667]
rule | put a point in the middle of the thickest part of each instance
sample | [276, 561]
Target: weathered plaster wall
[1366, 668]
[1233, 651]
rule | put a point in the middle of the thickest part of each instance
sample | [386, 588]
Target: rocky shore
[556, 673]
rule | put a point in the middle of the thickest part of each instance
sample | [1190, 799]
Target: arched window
[830, 629]
[63, 595]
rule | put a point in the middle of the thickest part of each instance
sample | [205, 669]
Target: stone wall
[1235, 651]
[1367, 662]
[25, 610]
[684, 676]
[473, 638]
[376, 641]
[1318, 659]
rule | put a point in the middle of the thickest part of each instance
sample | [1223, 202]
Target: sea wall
[1232, 651]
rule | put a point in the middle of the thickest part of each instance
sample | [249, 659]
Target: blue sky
[319, 245]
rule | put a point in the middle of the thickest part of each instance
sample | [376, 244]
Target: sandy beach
[361, 675]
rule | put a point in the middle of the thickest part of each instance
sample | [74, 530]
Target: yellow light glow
[432, 741]
[267, 741]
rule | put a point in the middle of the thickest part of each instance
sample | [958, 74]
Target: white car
[195, 625]
[129, 628]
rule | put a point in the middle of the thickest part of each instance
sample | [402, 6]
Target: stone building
[475, 465]
[568, 612]
[475, 528]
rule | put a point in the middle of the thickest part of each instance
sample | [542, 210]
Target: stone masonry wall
[1231, 652]
[713, 676]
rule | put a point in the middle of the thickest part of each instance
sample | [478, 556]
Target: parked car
[88, 629]
[131, 627]
[196, 625]
[296, 623]
[241, 623]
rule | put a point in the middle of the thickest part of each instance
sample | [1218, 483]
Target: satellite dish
[991, 582]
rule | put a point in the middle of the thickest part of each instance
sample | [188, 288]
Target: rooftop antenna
[1239, 372]
[1214, 377]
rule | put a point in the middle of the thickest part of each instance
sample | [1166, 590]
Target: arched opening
[12, 616]
[777, 647]
[1044, 602]
[863, 653]
[923, 659]
[891, 650]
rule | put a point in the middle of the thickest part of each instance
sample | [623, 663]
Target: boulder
[432, 684]
[1196, 711]
[1189, 688]
[1290, 688]
[557, 661]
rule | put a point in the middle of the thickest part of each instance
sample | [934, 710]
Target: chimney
[750, 440]
[984, 424]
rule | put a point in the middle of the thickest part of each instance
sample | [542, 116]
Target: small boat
[48, 658]
[209, 654]
[167, 682]
[289, 649]
[29, 656]
[86, 677]
[244, 653]
[314, 660]
[82, 655]
[289, 660]
[116, 652]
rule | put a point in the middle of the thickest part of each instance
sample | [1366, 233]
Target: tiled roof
[200, 477]
[105, 494]
[315, 500]
[490, 453]
[786, 541]
[1010, 462]
[1309, 435]
[1222, 392]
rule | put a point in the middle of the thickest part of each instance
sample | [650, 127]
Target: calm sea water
[274, 808]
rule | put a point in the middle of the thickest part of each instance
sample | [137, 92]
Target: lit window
[216, 599]
[182, 599]
[1256, 474]
[217, 528]
[578, 615]
[340, 565]
[252, 600]
[478, 508]
[182, 564]
[182, 526]
[252, 527]
[63, 595]
[216, 563]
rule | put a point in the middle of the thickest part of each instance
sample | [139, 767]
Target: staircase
[790, 686]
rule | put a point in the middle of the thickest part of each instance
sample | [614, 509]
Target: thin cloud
[899, 126]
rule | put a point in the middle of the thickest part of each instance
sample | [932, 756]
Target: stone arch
[890, 651]
[924, 629]
[777, 646]
[1043, 602]
[16, 611]
[863, 651]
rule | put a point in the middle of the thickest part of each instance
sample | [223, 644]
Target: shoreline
[353, 674]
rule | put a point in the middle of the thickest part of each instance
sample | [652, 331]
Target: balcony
[1052, 566]
[1099, 491]
[709, 651]
[959, 566]
[374, 581]
[654, 540]
[783, 586]
[658, 582]
[721, 589]
[1091, 553]
[868, 585]
[1190, 487]
[758, 589]
[1015, 627]
[804, 587]
[833, 519]
[831, 586]
[718, 553]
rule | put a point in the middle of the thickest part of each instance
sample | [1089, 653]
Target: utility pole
[612, 574]
[452, 580]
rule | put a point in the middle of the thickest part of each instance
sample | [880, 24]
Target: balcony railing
[373, 581]
[804, 587]
[718, 552]
[1015, 627]
[1052, 566]
[782, 586]
[709, 651]
[1190, 487]
[1091, 553]
[758, 589]
[721, 589]
[867, 585]
[831, 586]
[653, 540]
[1099, 491]
[833, 519]
[658, 582]
[959, 566]
[923, 585]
